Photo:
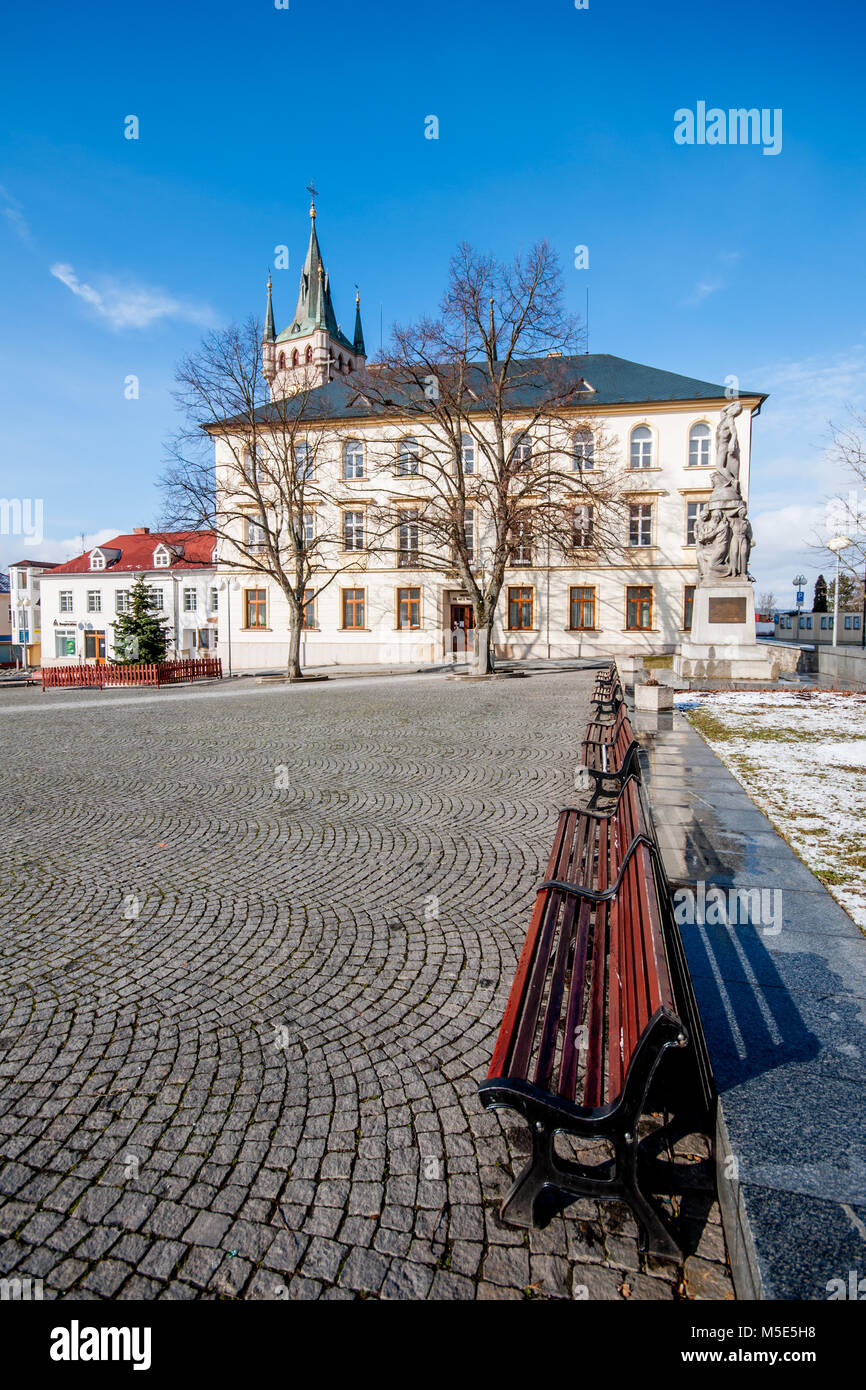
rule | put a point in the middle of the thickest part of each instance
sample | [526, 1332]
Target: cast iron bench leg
[518, 1207]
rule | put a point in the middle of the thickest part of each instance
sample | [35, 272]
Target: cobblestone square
[256, 946]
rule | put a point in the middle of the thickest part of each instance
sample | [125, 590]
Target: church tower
[313, 350]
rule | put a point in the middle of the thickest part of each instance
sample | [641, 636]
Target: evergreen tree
[139, 635]
[819, 602]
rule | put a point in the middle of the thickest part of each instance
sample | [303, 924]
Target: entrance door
[462, 627]
[94, 646]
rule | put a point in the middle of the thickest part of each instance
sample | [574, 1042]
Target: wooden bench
[609, 754]
[607, 695]
[591, 1013]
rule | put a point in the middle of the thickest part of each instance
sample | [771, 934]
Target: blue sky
[553, 122]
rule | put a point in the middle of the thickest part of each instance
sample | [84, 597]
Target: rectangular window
[214, 600]
[521, 541]
[255, 608]
[20, 579]
[203, 638]
[583, 526]
[353, 608]
[848, 624]
[688, 606]
[64, 642]
[303, 456]
[309, 528]
[639, 607]
[640, 523]
[692, 513]
[857, 624]
[824, 624]
[520, 609]
[254, 535]
[310, 619]
[408, 540]
[121, 601]
[408, 608]
[94, 600]
[469, 532]
[156, 599]
[808, 621]
[581, 609]
[190, 600]
[66, 600]
[353, 530]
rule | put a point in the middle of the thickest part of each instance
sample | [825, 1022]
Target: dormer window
[97, 560]
[161, 558]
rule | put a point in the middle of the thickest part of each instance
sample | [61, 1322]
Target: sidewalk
[783, 1005]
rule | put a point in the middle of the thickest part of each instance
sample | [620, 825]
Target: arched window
[340, 363]
[408, 458]
[641, 455]
[353, 459]
[282, 360]
[295, 358]
[467, 453]
[522, 450]
[699, 446]
[309, 356]
[582, 450]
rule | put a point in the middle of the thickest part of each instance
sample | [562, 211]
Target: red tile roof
[136, 553]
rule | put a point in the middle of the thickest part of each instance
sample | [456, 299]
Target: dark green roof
[606, 381]
[314, 309]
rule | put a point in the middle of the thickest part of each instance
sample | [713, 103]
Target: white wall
[81, 620]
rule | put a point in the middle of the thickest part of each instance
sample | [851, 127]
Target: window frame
[641, 544]
[408, 589]
[522, 590]
[91, 595]
[639, 589]
[66, 601]
[346, 548]
[403, 451]
[688, 606]
[703, 438]
[579, 441]
[650, 442]
[355, 602]
[347, 447]
[259, 604]
[584, 589]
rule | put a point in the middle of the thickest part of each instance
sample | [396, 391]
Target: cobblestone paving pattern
[256, 946]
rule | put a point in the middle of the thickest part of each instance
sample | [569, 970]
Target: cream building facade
[394, 603]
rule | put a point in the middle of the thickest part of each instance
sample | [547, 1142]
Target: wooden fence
[98, 676]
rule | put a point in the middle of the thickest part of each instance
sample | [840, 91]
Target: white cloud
[127, 305]
[703, 289]
[57, 551]
[13, 214]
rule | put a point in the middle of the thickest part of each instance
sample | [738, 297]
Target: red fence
[150, 673]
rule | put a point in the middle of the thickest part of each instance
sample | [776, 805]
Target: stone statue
[723, 534]
[741, 544]
[727, 443]
[713, 541]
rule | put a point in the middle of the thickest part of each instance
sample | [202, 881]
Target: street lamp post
[837, 545]
[799, 581]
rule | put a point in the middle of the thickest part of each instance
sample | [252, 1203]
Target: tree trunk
[294, 672]
[483, 658]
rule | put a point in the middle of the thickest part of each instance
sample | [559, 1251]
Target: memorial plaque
[726, 610]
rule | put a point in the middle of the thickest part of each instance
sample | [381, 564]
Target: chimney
[141, 530]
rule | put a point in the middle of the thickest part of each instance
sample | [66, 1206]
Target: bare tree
[846, 513]
[766, 602]
[509, 459]
[266, 499]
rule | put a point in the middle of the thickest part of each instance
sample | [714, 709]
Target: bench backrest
[598, 956]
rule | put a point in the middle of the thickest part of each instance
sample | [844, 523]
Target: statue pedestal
[722, 643]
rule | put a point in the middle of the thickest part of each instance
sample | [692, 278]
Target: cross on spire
[314, 193]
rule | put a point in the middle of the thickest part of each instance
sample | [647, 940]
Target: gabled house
[85, 595]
